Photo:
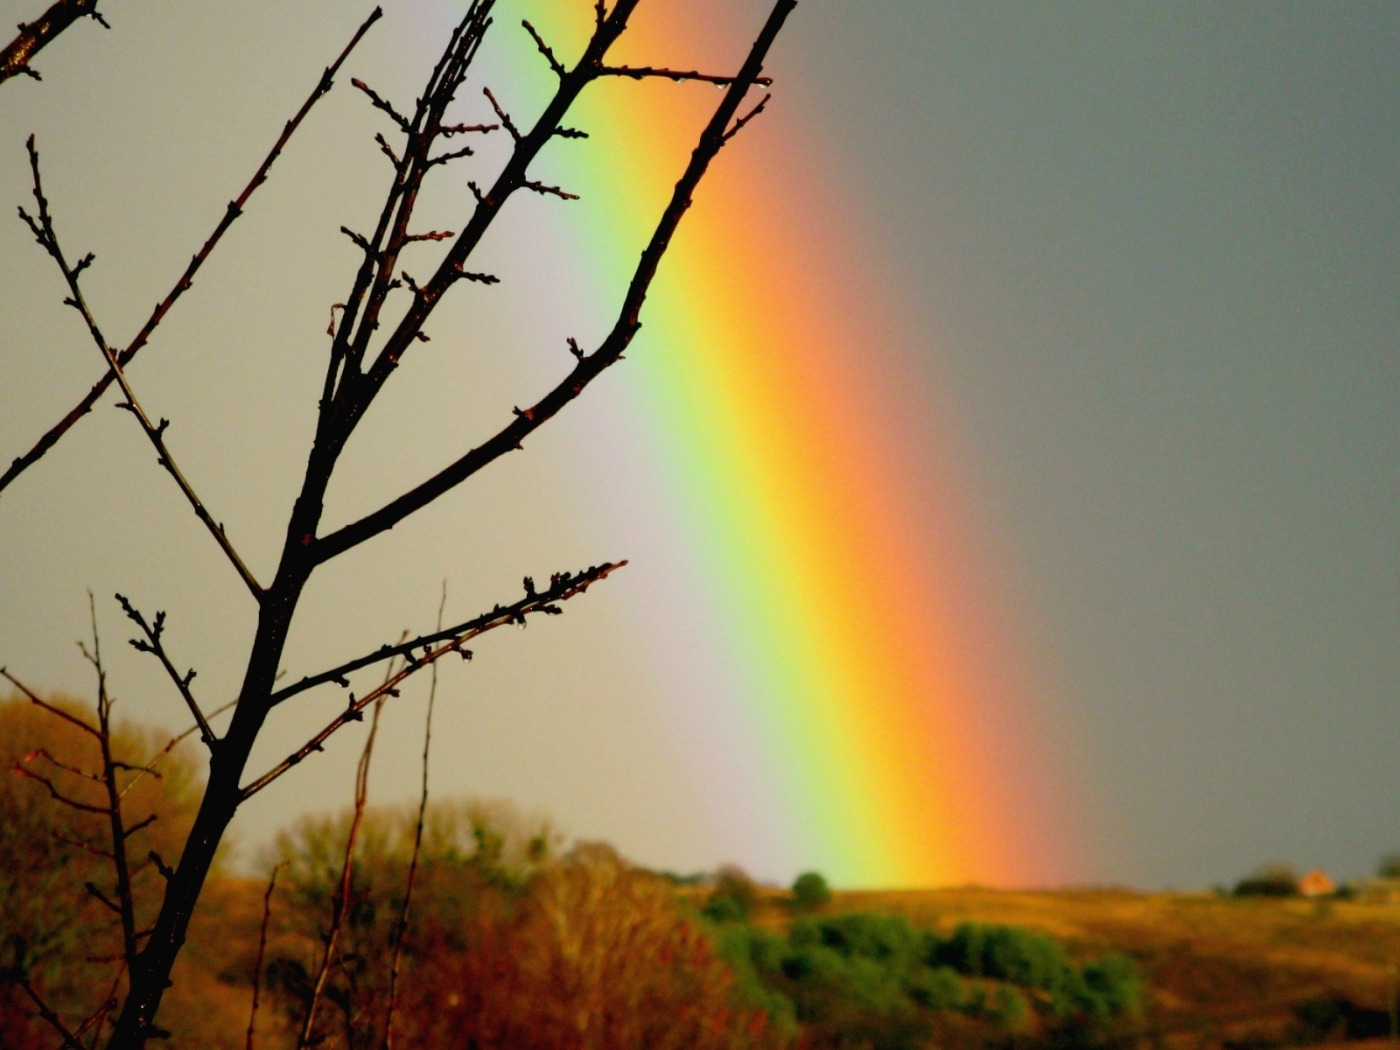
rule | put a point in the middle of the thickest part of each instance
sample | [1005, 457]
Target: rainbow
[847, 636]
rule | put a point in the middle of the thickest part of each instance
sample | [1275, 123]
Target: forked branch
[154, 644]
[563, 586]
[234, 210]
[43, 230]
[589, 366]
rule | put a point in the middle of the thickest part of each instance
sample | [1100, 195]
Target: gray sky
[1150, 255]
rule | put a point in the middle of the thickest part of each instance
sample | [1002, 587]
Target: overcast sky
[1149, 254]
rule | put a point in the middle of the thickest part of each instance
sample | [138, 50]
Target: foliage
[810, 892]
[1269, 880]
[1389, 866]
[875, 980]
[511, 945]
[56, 931]
[733, 897]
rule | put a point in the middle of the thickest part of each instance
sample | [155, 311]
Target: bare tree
[369, 341]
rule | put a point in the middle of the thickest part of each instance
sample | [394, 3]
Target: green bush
[1271, 880]
[875, 981]
[733, 897]
[1007, 953]
[1114, 986]
[810, 891]
[938, 988]
[1009, 1008]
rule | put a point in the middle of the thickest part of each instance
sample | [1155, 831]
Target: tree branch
[563, 586]
[340, 903]
[559, 589]
[235, 208]
[47, 1012]
[262, 950]
[58, 796]
[149, 769]
[401, 926]
[677, 75]
[14, 59]
[588, 366]
[58, 712]
[156, 647]
[125, 906]
[43, 231]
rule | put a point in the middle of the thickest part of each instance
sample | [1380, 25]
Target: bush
[733, 898]
[1007, 953]
[1271, 880]
[810, 892]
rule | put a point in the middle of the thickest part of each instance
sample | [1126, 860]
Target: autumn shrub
[476, 863]
[57, 933]
[599, 957]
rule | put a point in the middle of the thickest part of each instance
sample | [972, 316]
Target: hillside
[1220, 970]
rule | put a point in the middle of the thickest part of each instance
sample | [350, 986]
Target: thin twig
[126, 901]
[150, 767]
[563, 587]
[678, 75]
[262, 949]
[374, 279]
[35, 699]
[341, 902]
[154, 645]
[43, 753]
[401, 927]
[57, 795]
[545, 50]
[107, 1006]
[47, 1012]
[234, 210]
[43, 231]
[739, 123]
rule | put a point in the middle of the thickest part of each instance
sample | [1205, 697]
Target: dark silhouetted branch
[125, 905]
[340, 903]
[262, 951]
[15, 58]
[58, 712]
[563, 586]
[47, 1012]
[152, 644]
[588, 366]
[677, 75]
[400, 933]
[43, 230]
[234, 210]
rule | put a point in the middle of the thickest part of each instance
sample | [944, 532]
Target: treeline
[507, 939]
